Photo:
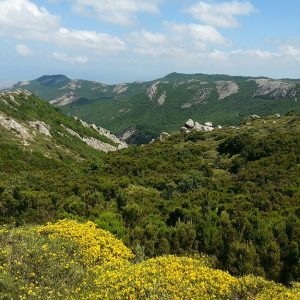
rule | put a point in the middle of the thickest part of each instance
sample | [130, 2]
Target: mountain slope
[149, 108]
[232, 193]
[29, 123]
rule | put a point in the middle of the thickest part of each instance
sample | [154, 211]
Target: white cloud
[263, 54]
[179, 39]
[24, 20]
[149, 37]
[123, 12]
[25, 16]
[70, 59]
[23, 50]
[220, 14]
[79, 39]
[291, 51]
[200, 33]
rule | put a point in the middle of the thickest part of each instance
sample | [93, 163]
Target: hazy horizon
[143, 40]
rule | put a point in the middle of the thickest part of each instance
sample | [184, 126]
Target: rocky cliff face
[276, 89]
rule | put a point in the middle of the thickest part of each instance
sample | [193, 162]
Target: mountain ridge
[166, 103]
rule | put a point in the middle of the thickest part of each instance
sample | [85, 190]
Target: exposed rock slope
[27, 120]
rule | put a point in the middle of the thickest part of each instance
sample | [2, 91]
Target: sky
[116, 41]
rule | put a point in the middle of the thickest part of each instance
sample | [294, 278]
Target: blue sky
[128, 40]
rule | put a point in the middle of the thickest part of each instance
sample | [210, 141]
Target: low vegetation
[71, 260]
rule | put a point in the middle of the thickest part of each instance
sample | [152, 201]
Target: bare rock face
[120, 88]
[200, 97]
[127, 134]
[152, 94]
[152, 90]
[41, 127]
[17, 128]
[92, 142]
[106, 133]
[161, 99]
[64, 100]
[226, 88]
[276, 88]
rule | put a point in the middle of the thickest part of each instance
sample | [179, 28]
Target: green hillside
[231, 193]
[34, 134]
[166, 103]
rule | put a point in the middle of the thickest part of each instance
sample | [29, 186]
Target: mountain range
[140, 111]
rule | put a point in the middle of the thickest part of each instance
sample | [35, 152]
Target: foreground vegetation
[70, 260]
[232, 194]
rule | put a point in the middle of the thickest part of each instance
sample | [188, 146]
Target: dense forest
[232, 194]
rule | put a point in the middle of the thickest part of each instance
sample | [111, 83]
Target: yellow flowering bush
[167, 277]
[68, 260]
[97, 246]
[33, 266]
[252, 287]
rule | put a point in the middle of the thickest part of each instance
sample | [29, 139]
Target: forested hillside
[233, 193]
[144, 109]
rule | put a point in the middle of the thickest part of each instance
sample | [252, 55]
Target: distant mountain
[53, 80]
[141, 110]
[30, 125]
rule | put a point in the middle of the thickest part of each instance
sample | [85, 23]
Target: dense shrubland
[232, 194]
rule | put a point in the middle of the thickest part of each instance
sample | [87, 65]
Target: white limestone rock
[152, 90]
[161, 99]
[189, 123]
[41, 127]
[226, 88]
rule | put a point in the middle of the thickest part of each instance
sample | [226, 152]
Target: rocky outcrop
[15, 127]
[106, 133]
[92, 142]
[161, 99]
[21, 129]
[200, 97]
[253, 117]
[190, 125]
[11, 96]
[41, 127]
[277, 89]
[152, 90]
[120, 88]
[64, 100]
[163, 136]
[127, 134]
[226, 88]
